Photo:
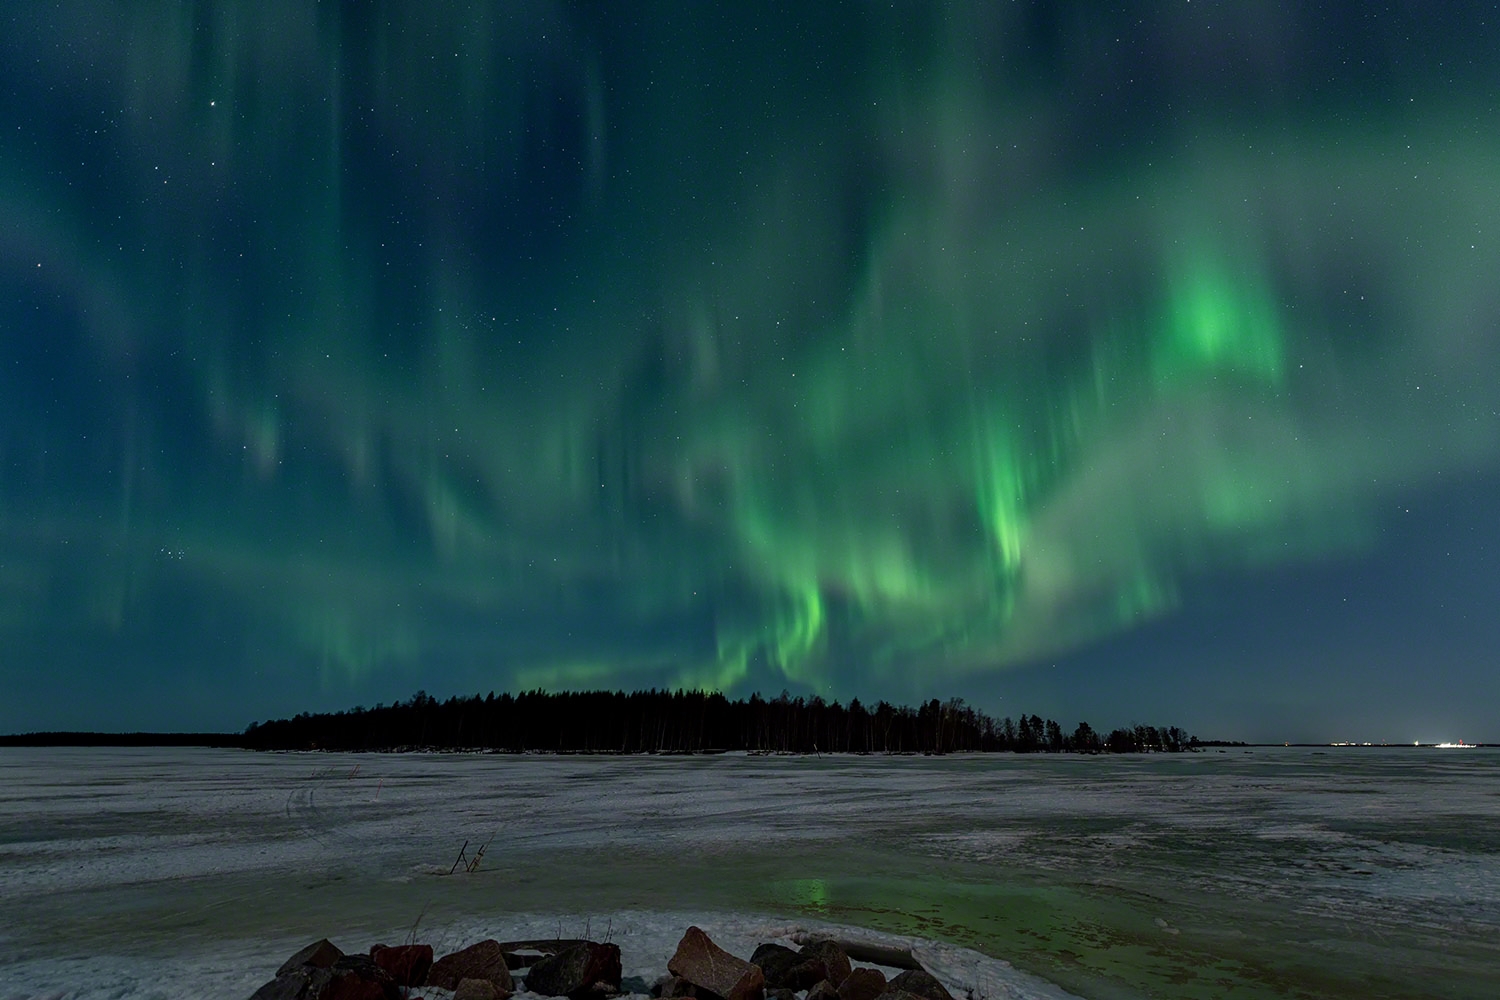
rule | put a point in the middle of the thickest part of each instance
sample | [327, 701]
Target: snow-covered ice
[186, 873]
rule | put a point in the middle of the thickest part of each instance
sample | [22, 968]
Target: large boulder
[407, 964]
[776, 961]
[919, 983]
[712, 969]
[821, 960]
[862, 984]
[585, 969]
[485, 960]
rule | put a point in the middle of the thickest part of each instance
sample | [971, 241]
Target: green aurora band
[451, 334]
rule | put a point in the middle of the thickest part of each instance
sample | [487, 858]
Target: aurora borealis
[1091, 356]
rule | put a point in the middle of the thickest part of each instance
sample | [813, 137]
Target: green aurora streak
[805, 362]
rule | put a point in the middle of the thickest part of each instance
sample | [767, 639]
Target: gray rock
[581, 970]
[823, 990]
[776, 961]
[922, 984]
[477, 989]
[301, 983]
[321, 954]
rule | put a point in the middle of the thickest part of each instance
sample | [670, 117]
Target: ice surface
[182, 873]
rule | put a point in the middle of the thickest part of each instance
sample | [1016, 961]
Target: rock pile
[588, 970]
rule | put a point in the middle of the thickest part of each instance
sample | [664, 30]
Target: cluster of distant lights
[1460, 745]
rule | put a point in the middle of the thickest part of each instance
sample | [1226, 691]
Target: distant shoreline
[236, 741]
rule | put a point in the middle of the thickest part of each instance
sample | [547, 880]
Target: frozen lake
[1279, 873]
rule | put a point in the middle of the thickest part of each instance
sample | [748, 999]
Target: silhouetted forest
[692, 722]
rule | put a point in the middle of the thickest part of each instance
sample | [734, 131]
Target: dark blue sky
[1129, 362]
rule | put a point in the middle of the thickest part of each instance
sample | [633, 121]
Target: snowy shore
[646, 941]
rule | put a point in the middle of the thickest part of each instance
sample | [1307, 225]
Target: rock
[777, 962]
[751, 986]
[920, 983]
[320, 954]
[781, 993]
[477, 989]
[485, 960]
[349, 977]
[582, 970]
[823, 990]
[673, 986]
[711, 968]
[407, 964]
[357, 988]
[357, 977]
[862, 984]
[300, 983]
[821, 960]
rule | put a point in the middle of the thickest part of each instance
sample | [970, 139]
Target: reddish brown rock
[862, 984]
[751, 986]
[711, 968]
[356, 977]
[585, 969]
[485, 960]
[320, 954]
[407, 964]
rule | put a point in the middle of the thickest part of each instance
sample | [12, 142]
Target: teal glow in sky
[1076, 358]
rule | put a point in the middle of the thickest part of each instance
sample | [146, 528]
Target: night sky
[1136, 362]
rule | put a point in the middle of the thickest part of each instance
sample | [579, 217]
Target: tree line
[692, 722]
